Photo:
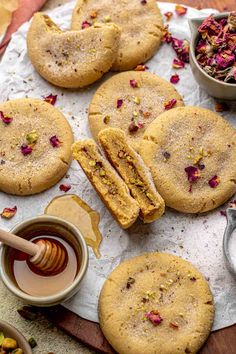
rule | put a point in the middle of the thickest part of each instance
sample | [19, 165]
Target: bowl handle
[231, 225]
[194, 23]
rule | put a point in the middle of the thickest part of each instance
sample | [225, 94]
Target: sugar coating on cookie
[35, 146]
[191, 154]
[140, 23]
[71, 59]
[134, 172]
[108, 184]
[131, 101]
[156, 303]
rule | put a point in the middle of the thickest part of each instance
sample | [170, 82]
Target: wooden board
[89, 333]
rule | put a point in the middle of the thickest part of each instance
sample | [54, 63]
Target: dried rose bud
[54, 141]
[65, 187]
[154, 317]
[170, 104]
[214, 181]
[178, 64]
[180, 10]
[119, 103]
[174, 79]
[5, 119]
[133, 83]
[168, 15]
[86, 24]
[8, 213]
[51, 99]
[26, 149]
[193, 173]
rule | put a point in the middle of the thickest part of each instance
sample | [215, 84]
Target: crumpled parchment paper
[197, 238]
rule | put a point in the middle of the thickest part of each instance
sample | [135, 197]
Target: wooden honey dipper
[47, 256]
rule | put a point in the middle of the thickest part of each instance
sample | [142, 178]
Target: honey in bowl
[35, 281]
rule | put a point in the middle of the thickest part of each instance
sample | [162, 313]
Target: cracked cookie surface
[191, 154]
[156, 303]
[140, 23]
[35, 146]
[130, 101]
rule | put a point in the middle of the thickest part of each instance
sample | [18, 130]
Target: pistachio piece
[18, 351]
[32, 342]
[9, 344]
[1, 338]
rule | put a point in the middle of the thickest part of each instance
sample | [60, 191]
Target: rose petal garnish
[54, 141]
[221, 107]
[166, 35]
[168, 15]
[223, 212]
[133, 83]
[174, 79]
[154, 317]
[140, 125]
[214, 181]
[85, 24]
[8, 213]
[50, 99]
[178, 64]
[193, 173]
[32, 137]
[119, 103]
[93, 14]
[5, 119]
[225, 59]
[26, 149]
[180, 10]
[143, 2]
[170, 104]
[133, 127]
[65, 187]
[181, 48]
[141, 67]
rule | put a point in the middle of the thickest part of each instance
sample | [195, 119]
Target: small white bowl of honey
[39, 285]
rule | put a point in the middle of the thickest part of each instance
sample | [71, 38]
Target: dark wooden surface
[89, 333]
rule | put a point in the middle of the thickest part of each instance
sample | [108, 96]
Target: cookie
[140, 22]
[110, 187]
[130, 101]
[71, 59]
[35, 146]
[156, 303]
[134, 172]
[191, 154]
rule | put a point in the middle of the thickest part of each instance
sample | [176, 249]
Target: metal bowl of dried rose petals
[213, 54]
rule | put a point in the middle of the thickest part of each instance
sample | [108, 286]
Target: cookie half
[35, 146]
[131, 101]
[71, 59]
[140, 22]
[156, 303]
[107, 183]
[134, 172]
[191, 154]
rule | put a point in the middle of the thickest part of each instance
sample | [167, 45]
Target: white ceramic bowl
[214, 87]
[70, 233]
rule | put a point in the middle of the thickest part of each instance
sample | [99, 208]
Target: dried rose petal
[143, 2]
[5, 119]
[154, 317]
[26, 149]
[166, 35]
[119, 103]
[193, 173]
[181, 48]
[133, 127]
[54, 141]
[209, 27]
[232, 204]
[221, 107]
[65, 187]
[170, 104]
[174, 79]
[50, 99]
[223, 213]
[86, 24]
[8, 213]
[141, 67]
[133, 83]
[214, 181]
[168, 15]
[140, 125]
[178, 64]
[225, 59]
[180, 10]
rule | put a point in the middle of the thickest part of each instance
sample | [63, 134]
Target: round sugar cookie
[140, 22]
[71, 59]
[156, 303]
[131, 101]
[191, 154]
[35, 146]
